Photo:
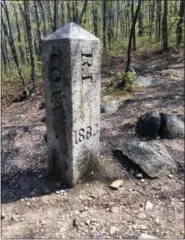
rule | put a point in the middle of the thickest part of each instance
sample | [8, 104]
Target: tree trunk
[165, 26]
[62, 14]
[83, 11]
[55, 16]
[38, 28]
[140, 24]
[95, 19]
[131, 35]
[11, 41]
[159, 10]
[30, 41]
[104, 23]
[43, 17]
[134, 30]
[68, 11]
[19, 35]
[180, 22]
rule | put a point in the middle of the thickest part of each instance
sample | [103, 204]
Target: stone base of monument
[72, 79]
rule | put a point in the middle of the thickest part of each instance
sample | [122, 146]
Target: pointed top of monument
[71, 31]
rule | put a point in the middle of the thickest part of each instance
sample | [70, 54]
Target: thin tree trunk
[43, 17]
[95, 19]
[140, 24]
[5, 63]
[50, 16]
[38, 27]
[19, 35]
[104, 23]
[180, 22]
[165, 26]
[68, 10]
[159, 10]
[134, 31]
[62, 14]
[83, 11]
[30, 41]
[131, 35]
[11, 41]
[55, 15]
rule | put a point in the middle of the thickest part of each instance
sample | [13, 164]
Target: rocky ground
[35, 206]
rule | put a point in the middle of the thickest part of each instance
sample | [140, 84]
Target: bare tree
[30, 40]
[9, 36]
[165, 26]
[131, 35]
[83, 11]
[180, 22]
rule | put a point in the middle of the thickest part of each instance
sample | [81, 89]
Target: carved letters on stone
[87, 57]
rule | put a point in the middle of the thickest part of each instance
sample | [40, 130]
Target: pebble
[139, 175]
[116, 184]
[148, 205]
[142, 180]
[157, 221]
[87, 222]
[114, 209]
[113, 229]
[28, 204]
[142, 216]
[170, 176]
[146, 236]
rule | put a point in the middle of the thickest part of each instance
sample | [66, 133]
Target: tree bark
[131, 36]
[159, 10]
[38, 28]
[30, 41]
[43, 17]
[104, 23]
[134, 30]
[19, 35]
[83, 11]
[95, 19]
[165, 26]
[55, 16]
[9, 36]
[180, 22]
[140, 24]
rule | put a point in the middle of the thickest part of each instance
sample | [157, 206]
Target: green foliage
[127, 81]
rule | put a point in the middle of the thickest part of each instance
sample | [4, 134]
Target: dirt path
[34, 206]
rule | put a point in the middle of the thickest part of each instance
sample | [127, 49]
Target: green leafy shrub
[127, 80]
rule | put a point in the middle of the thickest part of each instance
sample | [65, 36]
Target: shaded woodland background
[123, 26]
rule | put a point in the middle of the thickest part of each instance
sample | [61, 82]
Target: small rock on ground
[116, 184]
[146, 236]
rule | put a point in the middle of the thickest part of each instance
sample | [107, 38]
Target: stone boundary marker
[72, 78]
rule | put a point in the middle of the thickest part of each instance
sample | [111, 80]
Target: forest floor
[34, 206]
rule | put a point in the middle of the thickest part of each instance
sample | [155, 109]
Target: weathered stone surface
[111, 107]
[148, 81]
[116, 184]
[71, 62]
[153, 159]
[146, 236]
[171, 126]
[148, 125]
[148, 205]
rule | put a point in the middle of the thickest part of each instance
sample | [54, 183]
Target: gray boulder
[148, 125]
[111, 107]
[171, 126]
[153, 159]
